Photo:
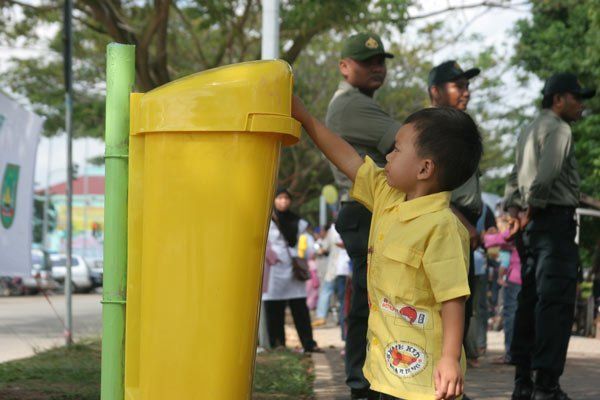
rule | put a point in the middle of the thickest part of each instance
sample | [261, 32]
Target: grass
[74, 374]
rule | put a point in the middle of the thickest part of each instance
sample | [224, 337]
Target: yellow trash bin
[204, 152]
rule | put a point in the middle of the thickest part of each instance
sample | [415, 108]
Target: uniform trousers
[545, 309]
[353, 225]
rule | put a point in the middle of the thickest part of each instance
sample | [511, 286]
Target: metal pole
[269, 50]
[270, 29]
[85, 199]
[120, 75]
[46, 199]
[68, 51]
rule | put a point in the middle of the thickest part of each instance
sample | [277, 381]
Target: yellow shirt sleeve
[370, 182]
[446, 261]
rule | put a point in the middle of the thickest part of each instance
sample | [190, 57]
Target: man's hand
[448, 379]
[514, 226]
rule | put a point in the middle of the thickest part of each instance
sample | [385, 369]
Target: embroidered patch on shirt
[406, 312]
[405, 359]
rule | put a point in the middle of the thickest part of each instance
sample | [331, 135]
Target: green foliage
[564, 36]
[61, 373]
[282, 373]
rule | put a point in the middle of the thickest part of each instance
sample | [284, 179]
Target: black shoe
[363, 394]
[522, 391]
[555, 393]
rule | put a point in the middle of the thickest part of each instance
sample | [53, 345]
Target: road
[28, 324]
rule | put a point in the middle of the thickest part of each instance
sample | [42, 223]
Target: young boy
[418, 250]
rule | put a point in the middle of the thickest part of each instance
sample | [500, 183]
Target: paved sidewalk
[488, 381]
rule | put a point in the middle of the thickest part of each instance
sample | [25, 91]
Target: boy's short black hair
[450, 137]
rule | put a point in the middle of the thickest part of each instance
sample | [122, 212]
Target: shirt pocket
[397, 275]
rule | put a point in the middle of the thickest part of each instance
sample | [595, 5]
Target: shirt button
[375, 342]
[380, 237]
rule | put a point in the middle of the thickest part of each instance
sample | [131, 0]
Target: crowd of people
[418, 265]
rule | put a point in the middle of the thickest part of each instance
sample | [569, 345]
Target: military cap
[363, 46]
[566, 82]
[449, 71]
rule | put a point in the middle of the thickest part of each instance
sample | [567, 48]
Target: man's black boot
[554, 393]
[363, 394]
[522, 390]
[547, 387]
[523, 384]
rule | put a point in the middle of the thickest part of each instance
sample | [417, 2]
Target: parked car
[41, 273]
[80, 272]
[96, 272]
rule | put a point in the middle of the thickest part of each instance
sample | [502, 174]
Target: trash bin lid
[247, 97]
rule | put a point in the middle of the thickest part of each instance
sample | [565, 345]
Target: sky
[493, 26]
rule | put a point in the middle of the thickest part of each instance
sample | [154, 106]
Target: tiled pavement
[489, 381]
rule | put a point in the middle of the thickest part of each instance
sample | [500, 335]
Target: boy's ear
[426, 169]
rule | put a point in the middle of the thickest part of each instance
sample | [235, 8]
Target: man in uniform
[449, 87]
[545, 179]
[356, 116]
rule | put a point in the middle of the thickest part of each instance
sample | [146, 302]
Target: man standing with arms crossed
[356, 116]
[546, 181]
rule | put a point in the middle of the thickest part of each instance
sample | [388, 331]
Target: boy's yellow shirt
[418, 258]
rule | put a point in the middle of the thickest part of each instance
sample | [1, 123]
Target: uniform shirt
[418, 258]
[545, 171]
[467, 198]
[359, 120]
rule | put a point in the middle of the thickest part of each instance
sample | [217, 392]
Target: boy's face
[404, 167]
[453, 94]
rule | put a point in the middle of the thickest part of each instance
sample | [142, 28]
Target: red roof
[95, 186]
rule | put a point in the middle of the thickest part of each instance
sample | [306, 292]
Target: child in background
[509, 276]
[418, 249]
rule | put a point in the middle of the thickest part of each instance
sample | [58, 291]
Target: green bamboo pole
[120, 75]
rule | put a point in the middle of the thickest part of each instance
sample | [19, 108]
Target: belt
[556, 209]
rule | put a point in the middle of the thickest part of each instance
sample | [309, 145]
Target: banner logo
[8, 193]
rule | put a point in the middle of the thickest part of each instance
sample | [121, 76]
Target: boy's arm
[336, 149]
[448, 373]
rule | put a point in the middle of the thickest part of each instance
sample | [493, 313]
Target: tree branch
[491, 4]
[29, 6]
[237, 26]
[199, 53]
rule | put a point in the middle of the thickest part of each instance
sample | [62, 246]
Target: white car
[80, 272]
[41, 274]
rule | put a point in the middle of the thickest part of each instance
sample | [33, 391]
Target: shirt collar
[345, 86]
[407, 210]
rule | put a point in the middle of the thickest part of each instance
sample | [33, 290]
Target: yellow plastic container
[204, 152]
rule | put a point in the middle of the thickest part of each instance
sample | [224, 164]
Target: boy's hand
[448, 379]
[299, 111]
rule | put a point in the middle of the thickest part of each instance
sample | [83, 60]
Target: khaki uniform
[545, 172]
[418, 258]
[545, 177]
[467, 198]
[362, 122]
